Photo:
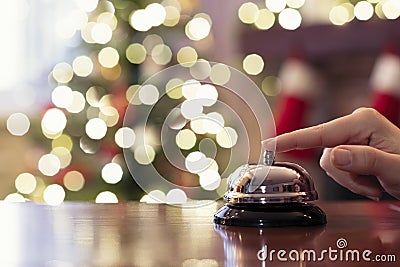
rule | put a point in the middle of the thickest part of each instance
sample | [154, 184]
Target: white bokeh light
[148, 94]
[363, 10]
[78, 102]
[53, 121]
[191, 109]
[112, 173]
[125, 137]
[275, 6]
[198, 28]
[176, 196]
[227, 138]
[156, 196]
[96, 128]
[49, 164]
[156, 14]
[185, 139]
[196, 162]
[209, 180]
[106, 197]
[253, 64]
[54, 195]
[62, 96]
[290, 19]
[18, 124]
[25, 183]
[190, 88]
[101, 33]
[208, 95]
[144, 154]
[14, 197]
[82, 66]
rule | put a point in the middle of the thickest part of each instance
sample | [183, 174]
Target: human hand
[362, 151]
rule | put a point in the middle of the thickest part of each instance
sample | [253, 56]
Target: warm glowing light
[112, 173]
[172, 16]
[198, 28]
[190, 88]
[248, 13]
[207, 94]
[63, 72]
[111, 74]
[265, 20]
[14, 197]
[227, 138]
[275, 6]
[101, 33]
[18, 124]
[109, 19]
[78, 102]
[214, 122]
[132, 94]
[144, 154]
[197, 125]
[96, 128]
[191, 109]
[185, 139]
[290, 19]
[196, 162]
[82, 66]
[125, 137]
[109, 115]
[176, 196]
[150, 41]
[74, 181]
[156, 196]
[295, 3]
[156, 14]
[363, 10]
[253, 64]
[25, 183]
[338, 15]
[201, 69]
[140, 21]
[187, 56]
[53, 121]
[209, 180]
[220, 74]
[49, 165]
[87, 5]
[391, 9]
[63, 155]
[136, 53]
[54, 195]
[271, 86]
[173, 88]
[161, 54]
[106, 197]
[61, 96]
[108, 57]
[148, 94]
[86, 33]
[63, 141]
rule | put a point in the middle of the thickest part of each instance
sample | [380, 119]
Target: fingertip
[269, 144]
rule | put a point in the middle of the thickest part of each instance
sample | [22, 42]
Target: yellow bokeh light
[198, 28]
[290, 19]
[25, 183]
[93, 95]
[338, 15]
[185, 139]
[172, 16]
[132, 94]
[63, 72]
[275, 6]
[161, 54]
[136, 53]
[374, 1]
[253, 64]
[106, 197]
[187, 56]
[220, 74]
[53, 121]
[18, 124]
[54, 195]
[248, 12]
[265, 20]
[111, 74]
[101, 33]
[295, 3]
[271, 86]
[227, 138]
[77, 104]
[109, 19]
[173, 88]
[74, 181]
[363, 10]
[110, 115]
[64, 156]
[63, 141]
[96, 128]
[108, 57]
[112, 173]
[144, 154]
[82, 66]
[49, 165]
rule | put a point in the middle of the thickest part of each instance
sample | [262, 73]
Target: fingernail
[374, 198]
[269, 144]
[341, 157]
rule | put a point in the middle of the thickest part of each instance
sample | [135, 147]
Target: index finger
[345, 130]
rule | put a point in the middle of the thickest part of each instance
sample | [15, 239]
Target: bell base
[270, 215]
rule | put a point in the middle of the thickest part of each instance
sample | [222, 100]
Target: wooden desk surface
[137, 234]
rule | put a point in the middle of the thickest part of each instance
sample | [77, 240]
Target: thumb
[366, 160]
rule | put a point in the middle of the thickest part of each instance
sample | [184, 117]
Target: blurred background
[69, 70]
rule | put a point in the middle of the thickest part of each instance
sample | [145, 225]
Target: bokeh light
[172, 16]
[109, 115]
[187, 56]
[173, 88]
[265, 19]
[148, 94]
[176, 196]
[290, 19]
[155, 14]
[191, 109]
[63, 72]
[86, 32]
[82, 66]
[101, 33]
[207, 94]
[363, 10]
[63, 141]
[132, 94]
[198, 28]
[275, 6]
[106, 197]
[136, 53]
[140, 21]
[74, 181]
[54, 194]
[196, 162]
[185, 139]
[295, 3]
[25, 183]
[248, 12]
[338, 15]
[109, 19]
[190, 88]
[253, 64]
[96, 128]
[77, 104]
[63, 155]
[112, 173]
[18, 124]
[161, 54]
[209, 180]
[220, 74]
[391, 9]
[144, 154]
[14, 197]
[87, 5]
[49, 164]
[62, 96]
[156, 196]
[271, 86]
[53, 121]
[108, 57]
[214, 122]
[227, 138]
[125, 137]
[201, 70]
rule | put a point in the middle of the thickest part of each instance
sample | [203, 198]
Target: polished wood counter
[138, 234]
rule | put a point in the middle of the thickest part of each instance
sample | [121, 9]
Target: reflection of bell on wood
[270, 195]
